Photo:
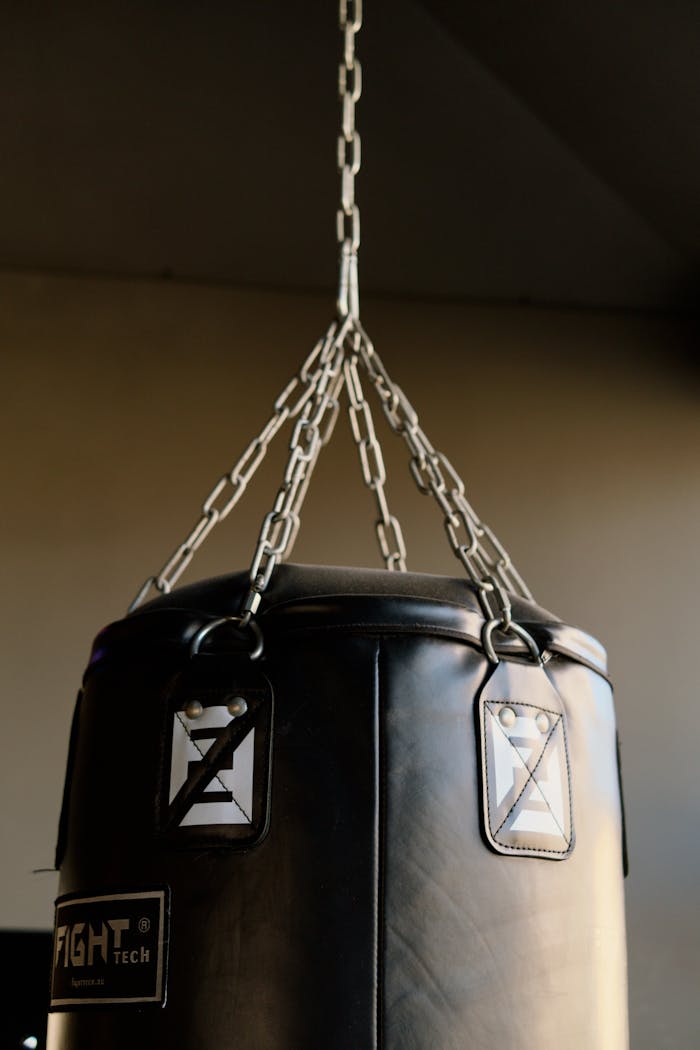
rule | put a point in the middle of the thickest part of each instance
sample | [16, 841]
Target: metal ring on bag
[512, 628]
[254, 654]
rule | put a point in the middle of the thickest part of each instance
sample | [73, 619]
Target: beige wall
[579, 438]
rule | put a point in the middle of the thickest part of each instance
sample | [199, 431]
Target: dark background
[529, 266]
[544, 152]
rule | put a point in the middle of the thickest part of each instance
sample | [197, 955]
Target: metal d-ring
[512, 628]
[213, 625]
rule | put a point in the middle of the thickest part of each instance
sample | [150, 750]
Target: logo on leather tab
[526, 778]
[216, 769]
[227, 797]
[109, 950]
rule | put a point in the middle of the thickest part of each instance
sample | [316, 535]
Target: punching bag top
[306, 598]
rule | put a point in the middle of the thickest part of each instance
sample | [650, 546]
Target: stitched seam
[534, 850]
[488, 704]
[521, 703]
[533, 778]
[483, 744]
[566, 756]
[487, 816]
[568, 782]
[216, 775]
[531, 772]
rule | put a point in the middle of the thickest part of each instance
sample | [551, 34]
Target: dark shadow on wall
[27, 956]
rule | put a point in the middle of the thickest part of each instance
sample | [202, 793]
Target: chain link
[230, 487]
[387, 527]
[311, 400]
[482, 555]
[349, 160]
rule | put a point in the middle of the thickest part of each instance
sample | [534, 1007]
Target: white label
[228, 797]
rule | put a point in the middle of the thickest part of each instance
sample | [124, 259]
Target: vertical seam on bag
[569, 774]
[623, 825]
[379, 846]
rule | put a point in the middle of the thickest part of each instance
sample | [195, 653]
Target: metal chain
[312, 398]
[349, 159]
[387, 527]
[313, 430]
[278, 536]
[230, 487]
[484, 557]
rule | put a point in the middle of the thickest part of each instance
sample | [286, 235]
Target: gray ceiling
[545, 152]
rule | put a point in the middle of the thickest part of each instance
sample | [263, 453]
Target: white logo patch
[228, 797]
[528, 799]
[541, 808]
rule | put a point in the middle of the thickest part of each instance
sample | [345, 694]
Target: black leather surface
[311, 597]
[480, 950]
[372, 915]
[271, 948]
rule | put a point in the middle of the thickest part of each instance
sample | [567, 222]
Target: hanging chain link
[483, 556]
[230, 487]
[349, 160]
[311, 399]
[387, 527]
[312, 431]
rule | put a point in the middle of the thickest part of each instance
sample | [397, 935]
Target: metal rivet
[542, 722]
[193, 709]
[507, 717]
[237, 707]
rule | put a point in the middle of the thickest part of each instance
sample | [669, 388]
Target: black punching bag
[373, 836]
[338, 809]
